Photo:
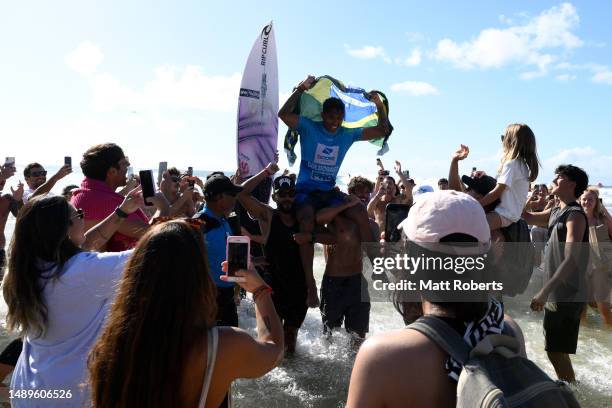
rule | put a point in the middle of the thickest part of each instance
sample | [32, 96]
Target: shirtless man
[388, 193]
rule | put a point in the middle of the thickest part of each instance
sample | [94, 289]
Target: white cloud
[412, 60]
[523, 45]
[596, 165]
[415, 88]
[565, 77]
[85, 59]
[368, 52]
[171, 87]
[603, 76]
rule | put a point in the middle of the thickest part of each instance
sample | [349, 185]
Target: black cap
[219, 183]
[284, 183]
[482, 185]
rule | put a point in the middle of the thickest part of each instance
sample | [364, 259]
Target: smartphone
[67, 161]
[148, 187]
[473, 169]
[130, 172]
[406, 173]
[190, 171]
[394, 215]
[9, 162]
[379, 163]
[238, 249]
[163, 166]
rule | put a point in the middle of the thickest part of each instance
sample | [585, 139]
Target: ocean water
[318, 375]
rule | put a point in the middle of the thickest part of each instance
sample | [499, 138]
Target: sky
[161, 79]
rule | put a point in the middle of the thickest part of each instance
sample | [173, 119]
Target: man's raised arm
[258, 210]
[383, 127]
[286, 113]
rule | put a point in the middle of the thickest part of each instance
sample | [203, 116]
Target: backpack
[493, 374]
[516, 266]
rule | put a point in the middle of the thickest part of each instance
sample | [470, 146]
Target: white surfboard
[258, 106]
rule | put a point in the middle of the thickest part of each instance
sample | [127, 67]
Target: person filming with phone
[36, 178]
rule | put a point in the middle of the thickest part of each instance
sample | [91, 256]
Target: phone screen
[9, 162]
[395, 214]
[68, 161]
[237, 257]
[148, 187]
[190, 171]
[163, 166]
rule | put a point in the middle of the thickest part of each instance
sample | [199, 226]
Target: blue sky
[161, 79]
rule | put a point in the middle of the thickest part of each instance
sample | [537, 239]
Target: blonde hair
[519, 143]
[597, 209]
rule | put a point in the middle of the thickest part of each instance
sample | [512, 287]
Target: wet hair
[333, 105]
[28, 169]
[359, 181]
[519, 143]
[41, 234]
[166, 289]
[97, 160]
[575, 174]
[468, 311]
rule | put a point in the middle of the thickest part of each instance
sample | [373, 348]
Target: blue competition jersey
[322, 154]
[216, 247]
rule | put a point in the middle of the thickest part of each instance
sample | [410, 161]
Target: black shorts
[320, 199]
[341, 300]
[11, 353]
[561, 327]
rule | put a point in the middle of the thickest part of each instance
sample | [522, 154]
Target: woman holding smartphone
[58, 295]
[160, 346]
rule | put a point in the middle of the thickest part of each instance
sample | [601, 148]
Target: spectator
[178, 192]
[405, 368]
[58, 294]
[36, 178]
[362, 188]
[105, 169]
[600, 263]
[389, 193]
[220, 194]
[133, 365]
[443, 184]
[68, 190]
[564, 293]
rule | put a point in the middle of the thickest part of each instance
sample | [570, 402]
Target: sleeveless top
[283, 255]
[601, 246]
[574, 288]
[212, 346]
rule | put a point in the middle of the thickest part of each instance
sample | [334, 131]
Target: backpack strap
[444, 336]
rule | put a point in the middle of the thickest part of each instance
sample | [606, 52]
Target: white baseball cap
[442, 213]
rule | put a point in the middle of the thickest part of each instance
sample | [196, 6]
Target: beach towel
[359, 111]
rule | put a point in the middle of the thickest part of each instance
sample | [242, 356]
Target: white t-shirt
[515, 176]
[26, 194]
[77, 306]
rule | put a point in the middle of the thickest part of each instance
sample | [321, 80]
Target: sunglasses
[80, 214]
[38, 173]
[194, 223]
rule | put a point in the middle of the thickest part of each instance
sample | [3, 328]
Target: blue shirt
[322, 153]
[216, 240]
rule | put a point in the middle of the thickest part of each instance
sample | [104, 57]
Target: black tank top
[283, 255]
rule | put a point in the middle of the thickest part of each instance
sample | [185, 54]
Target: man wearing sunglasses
[285, 273]
[36, 178]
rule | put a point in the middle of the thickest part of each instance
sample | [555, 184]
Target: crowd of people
[122, 301]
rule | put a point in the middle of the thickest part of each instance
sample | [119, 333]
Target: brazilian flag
[359, 111]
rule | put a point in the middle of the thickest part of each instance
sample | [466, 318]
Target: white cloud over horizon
[415, 88]
[531, 44]
[171, 87]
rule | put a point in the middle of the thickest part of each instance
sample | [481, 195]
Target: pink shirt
[98, 201]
